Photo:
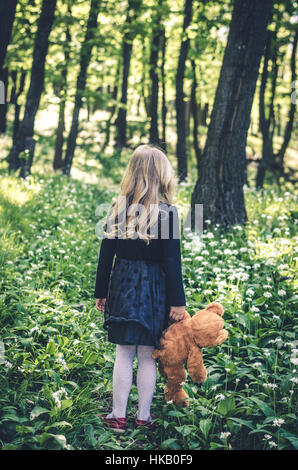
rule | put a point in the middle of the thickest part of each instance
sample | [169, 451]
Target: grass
[56, 367]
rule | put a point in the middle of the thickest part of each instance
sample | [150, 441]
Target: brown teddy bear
[183, 341]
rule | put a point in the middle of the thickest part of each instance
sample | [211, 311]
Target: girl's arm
[171, 260]
[104, 267]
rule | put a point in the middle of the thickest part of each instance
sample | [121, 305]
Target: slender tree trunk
[290, 123]
[121, 123]
[180, 103]
[58, 162]
[85, 57]
[17, 106]
[24, 138]
[267, 124]
[153, 62]
[163, 144]
[7, 15]
[112, 109]
[222, 174]
[194, 110]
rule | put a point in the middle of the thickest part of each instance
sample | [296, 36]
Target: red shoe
[116, 424]
[147, 424]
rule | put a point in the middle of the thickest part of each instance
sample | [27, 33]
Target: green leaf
[263, 406]
[37, 411]
[59, 438]
[290, 437]
[51, 347]
[170, 444]
[66, 404]
[244, 422]
[58, 424]
[260, 301]
[226, 405]
[205, 425]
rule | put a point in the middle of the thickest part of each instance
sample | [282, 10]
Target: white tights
[122, 380]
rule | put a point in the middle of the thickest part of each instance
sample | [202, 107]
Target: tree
[283, 34]
[24, 141]
[292, 109]
[153, 63]
[267, 123]
[85, 57]
[133, 9]
[222, 175]
[61, 91]
[7, 15]
[180, 103]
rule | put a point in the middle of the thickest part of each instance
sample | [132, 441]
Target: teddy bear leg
[195, 366]
[174, 388]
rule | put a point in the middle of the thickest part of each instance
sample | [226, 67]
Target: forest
[211, 82]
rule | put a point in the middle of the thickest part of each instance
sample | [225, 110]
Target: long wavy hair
[149, 180]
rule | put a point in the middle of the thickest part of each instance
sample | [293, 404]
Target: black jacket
[164, 248]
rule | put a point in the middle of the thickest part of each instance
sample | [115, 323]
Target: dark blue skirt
[137, 309]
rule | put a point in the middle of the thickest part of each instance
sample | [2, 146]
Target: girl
[143, 290]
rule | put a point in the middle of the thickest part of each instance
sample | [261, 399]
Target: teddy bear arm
[195, 366]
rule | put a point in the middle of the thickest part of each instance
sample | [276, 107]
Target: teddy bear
[183, 341]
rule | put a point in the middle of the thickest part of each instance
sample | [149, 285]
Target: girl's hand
[177, 313]
[100, 304]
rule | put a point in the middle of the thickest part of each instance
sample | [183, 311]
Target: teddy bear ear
[216, 307]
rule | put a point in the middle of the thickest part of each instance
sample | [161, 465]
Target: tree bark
[153, 63]
[290, 123]
[58, 162]
[222, 175]
[85, 57]
[24, 137]
[121, 123]
[17, 106]
[267, 124]
[194, 110]
[7, 15]
[112, 109]
[163, 144]
[180, 104]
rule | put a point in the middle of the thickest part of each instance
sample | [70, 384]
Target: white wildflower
[281, 292]
[220, 396]
[224, 435]
[278, 422]
[272, 444]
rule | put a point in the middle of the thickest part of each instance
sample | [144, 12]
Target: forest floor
[55, 362]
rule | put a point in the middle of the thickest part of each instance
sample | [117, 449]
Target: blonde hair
[148, 180]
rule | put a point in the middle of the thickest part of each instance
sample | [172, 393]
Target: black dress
[142, 284]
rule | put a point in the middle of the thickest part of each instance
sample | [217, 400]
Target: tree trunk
[120, 123]
[153, 62]
[7, 15]
[289, 126]
[222, 174]
[194, 110]
[23, 141]
[267, 124]
[180, 104]
[58, 162]
[163, 144]
[17, 106]
[112, 109]
[85, 57]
